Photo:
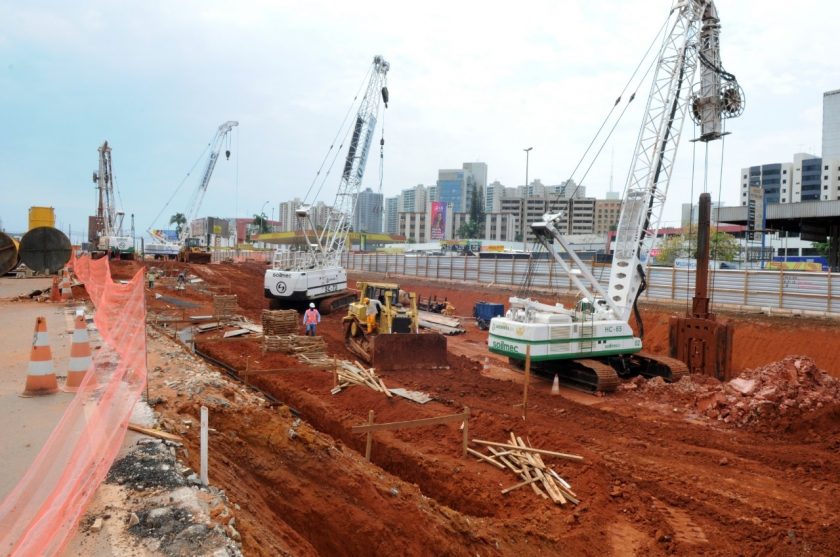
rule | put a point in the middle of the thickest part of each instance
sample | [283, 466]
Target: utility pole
[522, 223]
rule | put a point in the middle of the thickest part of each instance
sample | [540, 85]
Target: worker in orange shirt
[311, 319]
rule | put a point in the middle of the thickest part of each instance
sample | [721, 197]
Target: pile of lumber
[440, 323]
[354, 373]
[295, 344]
[527, 463]
[280, 322]
[224, 306]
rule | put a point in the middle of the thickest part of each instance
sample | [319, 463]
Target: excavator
[592, 345]
[392, 341]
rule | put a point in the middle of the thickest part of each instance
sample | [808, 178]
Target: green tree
[821, 247]
[261, 222]
[724, 247]
[179, 220]
[469, 230]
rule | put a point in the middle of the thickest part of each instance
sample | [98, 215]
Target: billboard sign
[438, 231]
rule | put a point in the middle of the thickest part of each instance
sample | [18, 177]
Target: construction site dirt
[660, 475]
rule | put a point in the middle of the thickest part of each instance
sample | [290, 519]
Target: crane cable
[616, 103]
[338, 134]
[177, 189]
[717, 220]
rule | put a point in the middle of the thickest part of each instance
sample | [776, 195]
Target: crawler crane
[592, 344]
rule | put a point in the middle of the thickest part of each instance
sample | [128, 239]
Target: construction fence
[240, 256]
[41, 514]
[813, 293]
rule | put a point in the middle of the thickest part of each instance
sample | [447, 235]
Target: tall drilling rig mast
[107, 235]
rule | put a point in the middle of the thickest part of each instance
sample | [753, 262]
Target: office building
[831, 125]
[493, 194]
[413, 227]
[413, 200]
[807, 178]
[607, 213]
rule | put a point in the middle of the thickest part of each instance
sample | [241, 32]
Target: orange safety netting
[40, 516]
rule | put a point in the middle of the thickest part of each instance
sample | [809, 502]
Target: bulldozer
[391, 340]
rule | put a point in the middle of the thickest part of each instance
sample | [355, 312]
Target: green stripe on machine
[559, 340]
[573, 356]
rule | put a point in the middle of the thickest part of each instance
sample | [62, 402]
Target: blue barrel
[485, 311]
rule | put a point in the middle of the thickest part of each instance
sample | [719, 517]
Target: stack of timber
[354, 373]
[280, 322]
[527, 463]
[224, 306]
[440, 323]
[295, 344]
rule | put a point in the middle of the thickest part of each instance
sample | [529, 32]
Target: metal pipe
[700, 305]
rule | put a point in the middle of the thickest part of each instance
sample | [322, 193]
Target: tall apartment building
[369, 209]
[413, 200]
[831, 125]
[286, 215]
[808, 178]
[607, 213]
[493, 194]
[479, 173]
[390, 218]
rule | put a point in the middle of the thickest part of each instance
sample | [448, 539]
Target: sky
[469, 81]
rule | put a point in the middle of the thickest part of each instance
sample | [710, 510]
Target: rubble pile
[166, 505]
[789, 388]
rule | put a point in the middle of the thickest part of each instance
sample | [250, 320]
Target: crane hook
[227, 154]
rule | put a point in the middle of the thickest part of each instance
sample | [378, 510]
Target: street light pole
[525, 202]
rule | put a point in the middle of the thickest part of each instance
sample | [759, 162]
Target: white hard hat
[312, 305]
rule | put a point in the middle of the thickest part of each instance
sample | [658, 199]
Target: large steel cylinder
[8, 253]
[45, 249]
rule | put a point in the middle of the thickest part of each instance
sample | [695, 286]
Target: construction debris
[280, 322]
[526, 462]
[353, 373]
[762, 398]
[414, 396]
[440, 323]
[224, 306]
[295, 344]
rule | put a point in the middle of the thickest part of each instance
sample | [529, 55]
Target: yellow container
[41, 216]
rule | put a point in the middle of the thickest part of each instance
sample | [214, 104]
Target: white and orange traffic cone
[555, 387]
[40, 379]
[66, 288]
[80, 359]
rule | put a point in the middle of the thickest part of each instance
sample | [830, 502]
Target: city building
[807, 178]
[461, 187]
[493, 194]
[413, 227]
[368, 214]
[391, 222]
[501, 227]
[607, 213]
[413, 200]
[831, 125]
[691, 213]
[286, 215]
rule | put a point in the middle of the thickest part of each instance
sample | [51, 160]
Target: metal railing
[813, 293]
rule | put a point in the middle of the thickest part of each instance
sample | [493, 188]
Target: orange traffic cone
[555, 387]
[79, 356]
[40, 379]
[55, 294]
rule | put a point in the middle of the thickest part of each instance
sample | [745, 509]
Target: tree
[821, 247]
[724, 247]
[179, 220]
[469, 230]
[261, 222]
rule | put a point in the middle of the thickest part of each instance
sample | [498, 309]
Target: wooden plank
[154, 432]
[485, 458]
[409, 424]
[369, 437]
[576, 458]
[517, 486]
